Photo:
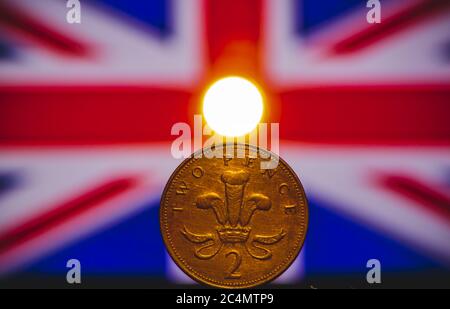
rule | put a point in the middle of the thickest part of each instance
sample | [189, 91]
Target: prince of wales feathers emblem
[234, 216]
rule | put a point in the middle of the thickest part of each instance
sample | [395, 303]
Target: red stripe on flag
[63, 213]
[355, 115]
[80, 115]
[390, 26]
[347, 114]
[365, 115]
[423, 194]
[232, 26]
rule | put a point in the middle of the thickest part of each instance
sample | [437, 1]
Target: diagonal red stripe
[390, 26]
[423, 194]
[39, 32]
[62, 213]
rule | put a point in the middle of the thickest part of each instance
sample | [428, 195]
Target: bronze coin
[228, 223]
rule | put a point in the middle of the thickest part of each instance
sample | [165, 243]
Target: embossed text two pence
[228, 223]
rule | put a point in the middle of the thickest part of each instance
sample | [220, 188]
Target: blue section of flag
[339, 245]
[8, 180]
[335, 245]
[6, 52]
[156, 14]
[131, 247]
[447, 169]
[446, 52]
[311, 15]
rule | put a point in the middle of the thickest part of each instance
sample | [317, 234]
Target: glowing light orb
[233, 106]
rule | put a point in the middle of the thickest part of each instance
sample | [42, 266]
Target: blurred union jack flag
[86, 111]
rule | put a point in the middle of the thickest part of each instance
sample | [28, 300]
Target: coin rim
[168, 243]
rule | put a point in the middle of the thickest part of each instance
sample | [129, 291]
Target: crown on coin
[236, 234]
